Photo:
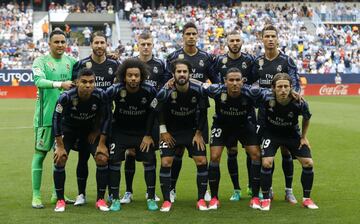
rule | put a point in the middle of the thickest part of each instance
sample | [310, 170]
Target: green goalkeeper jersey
[48, 70]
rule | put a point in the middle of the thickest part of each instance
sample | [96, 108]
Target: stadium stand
[322, 38]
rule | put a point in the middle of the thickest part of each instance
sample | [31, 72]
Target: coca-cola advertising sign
[331, 90]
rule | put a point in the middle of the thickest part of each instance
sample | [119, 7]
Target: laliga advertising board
[20, 84]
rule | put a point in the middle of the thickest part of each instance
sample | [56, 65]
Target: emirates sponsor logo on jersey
[338, 90]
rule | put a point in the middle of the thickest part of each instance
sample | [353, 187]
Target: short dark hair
[269, 27]
[85, 72]
[234, 32]
[233, 70]
[189, 25]
[97, 34]
[57, 31]
[145, 35]
[132, 63]
[281, 76]
[180, 62]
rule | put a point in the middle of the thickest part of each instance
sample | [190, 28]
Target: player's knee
[61, 162]
[166, 162]
[101, 159]
[200, 160]
[267, 163]
[307, 163]
[215, 158]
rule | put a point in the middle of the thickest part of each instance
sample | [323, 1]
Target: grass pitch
[334, 136]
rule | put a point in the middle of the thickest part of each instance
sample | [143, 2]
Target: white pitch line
[19, 127]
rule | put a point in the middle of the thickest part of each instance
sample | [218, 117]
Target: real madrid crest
[181, 56]
[224, 60]
[244, 65]
[201, 63]
[75, 102]
[261, 63]
[110, 71]
[93, 107]
[122, 95]
[143, 100]
[291, 115]
[88, 64]
[272, 103]
[155, 70]
[193, 100]
[223, 97]
[279, 68]
[173, 97]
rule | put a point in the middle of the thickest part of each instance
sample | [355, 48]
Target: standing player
[104, 69]
[133, 124]
[52, 73]
[79, 112]
[157, 78]
[264, 70]
[234, 58]
[200, 70]
[231, 124]
[280, 128]
[182, 118]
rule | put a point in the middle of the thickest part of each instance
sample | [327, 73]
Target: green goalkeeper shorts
[44, 138]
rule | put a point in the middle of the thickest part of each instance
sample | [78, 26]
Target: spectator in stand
[108, 32]
[127, 9]
[337, 79]
[45, 29]
[87, 34]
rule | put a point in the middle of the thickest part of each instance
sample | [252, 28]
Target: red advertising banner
[17, 92]
[331, 90]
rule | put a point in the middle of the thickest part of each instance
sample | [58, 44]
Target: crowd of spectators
[16, 32]
[82, 7]
[338, 12]
[328, 49]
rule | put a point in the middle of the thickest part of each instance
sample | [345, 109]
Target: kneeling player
[231, 124]
[182, 112]
[78, 113]
[281, 129]
[133, 124]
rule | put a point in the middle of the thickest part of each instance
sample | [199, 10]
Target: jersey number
[216, 132]
[265, 143]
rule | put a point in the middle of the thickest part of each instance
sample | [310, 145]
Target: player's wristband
[57, 84]
[162, 128]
